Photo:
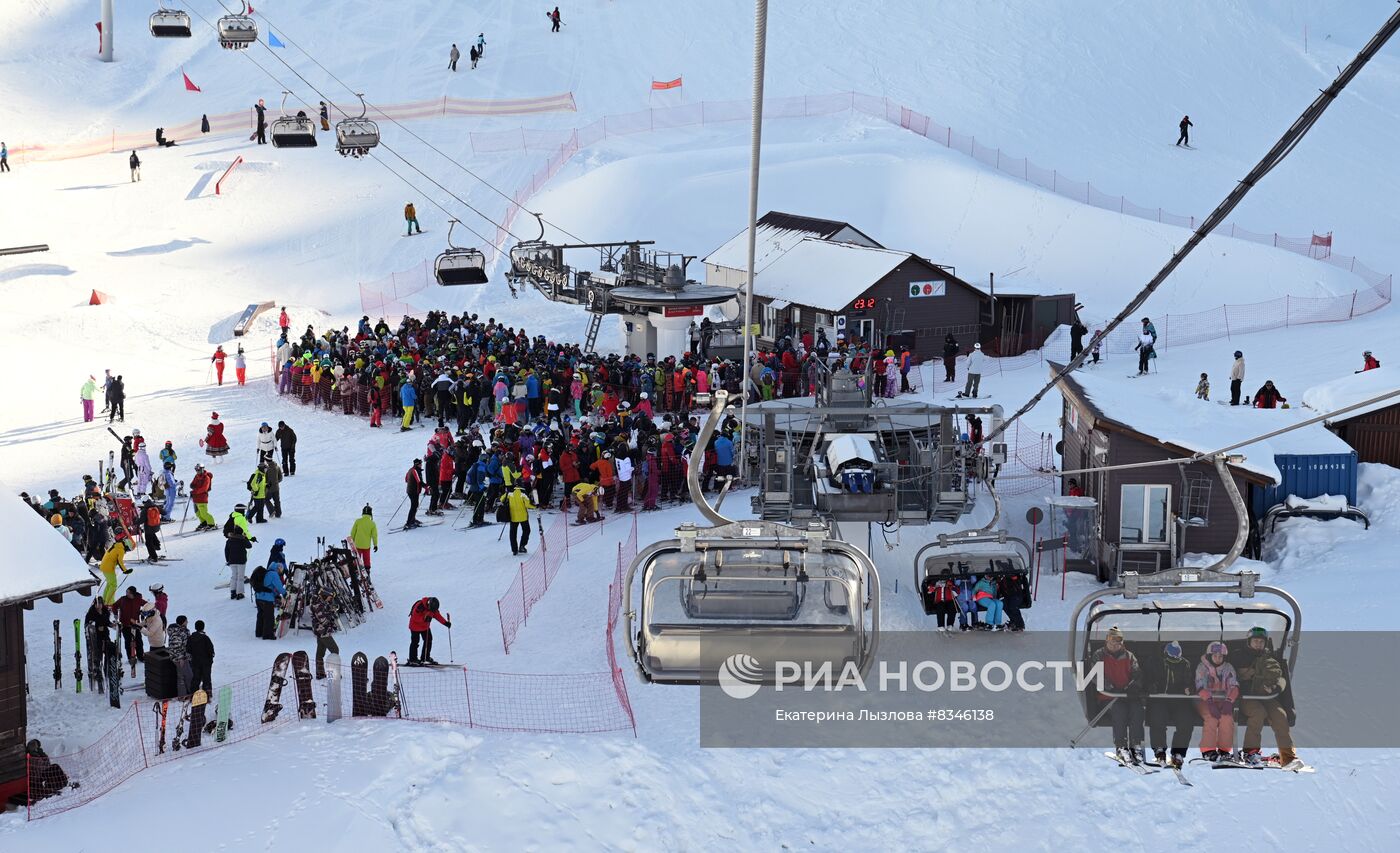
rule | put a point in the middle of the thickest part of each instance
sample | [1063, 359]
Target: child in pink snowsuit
[1218, 687]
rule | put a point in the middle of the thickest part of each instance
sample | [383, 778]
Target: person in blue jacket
[265, 595]
[277, 559]
[967, 610]
[408, 396]
[724, 460]
[532, 395]
[172, 488]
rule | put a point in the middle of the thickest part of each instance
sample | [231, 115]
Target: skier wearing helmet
[420, 620]
[1218, 687]
[1263, 674]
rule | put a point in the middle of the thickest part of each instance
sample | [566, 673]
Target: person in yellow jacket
[364, 534]
[411, 217]
[520, 505]
[257, 491]
[586, 494]
[114, 559]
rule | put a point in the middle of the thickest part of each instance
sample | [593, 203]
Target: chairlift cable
[509, 199]
[285, 88]
[387, 147]
[1271, 159]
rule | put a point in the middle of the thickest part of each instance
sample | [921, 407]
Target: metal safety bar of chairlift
[1200, 621]
[237, 31]
[298, 131]
[745, 588]
[460, 265]
[1283, 512]
[170, 23]
[355, 136]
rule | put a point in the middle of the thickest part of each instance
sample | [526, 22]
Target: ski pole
[451, 657]
[184, 516]
[1074, 741]
[402, 501]
[208, 372]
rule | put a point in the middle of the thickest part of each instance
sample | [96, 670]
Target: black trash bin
[161, 679]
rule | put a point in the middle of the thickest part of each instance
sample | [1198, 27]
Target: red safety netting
[385, 298]
[537, 574]
[576, 703]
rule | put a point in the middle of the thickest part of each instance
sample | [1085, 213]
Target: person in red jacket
[199, 496]
[420, 621]
[1368, 362]
[129, 609]
[568, 470]
[218, 360]
[1268, 397]
[447, 469]
[415, 487]
[214, 442]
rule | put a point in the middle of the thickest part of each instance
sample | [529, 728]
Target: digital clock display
[863, 304]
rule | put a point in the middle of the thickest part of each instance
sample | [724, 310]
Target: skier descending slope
[1185, 137]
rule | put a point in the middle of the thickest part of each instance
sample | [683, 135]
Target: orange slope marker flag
[658, 85]
[189, 84]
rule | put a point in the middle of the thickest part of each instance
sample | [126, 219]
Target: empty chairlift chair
[354, 137]
[237, 31]
[298, 131]
[170, 24]
[753, 591]
[460, 266]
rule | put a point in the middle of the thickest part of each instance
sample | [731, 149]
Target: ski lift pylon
[297, 131]
[354, 137]
[458, 265]
[170, 23]
[237, 31]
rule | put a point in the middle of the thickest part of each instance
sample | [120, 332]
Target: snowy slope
[1096, 95]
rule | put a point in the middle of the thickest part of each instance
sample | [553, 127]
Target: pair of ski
[193, 712]
[433, 523]
[1147, 768]
[299, 664]
[362, 571]
[1294, 766]
[371, 697]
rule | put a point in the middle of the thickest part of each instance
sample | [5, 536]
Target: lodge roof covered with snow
[825, 274]
[777, 233]
[1183, 424]
[1350, 390]
[37, 561]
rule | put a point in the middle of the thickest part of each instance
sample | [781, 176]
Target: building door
[865, 330]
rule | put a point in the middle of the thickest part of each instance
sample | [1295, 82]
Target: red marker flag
[189, 84]
[666, 84]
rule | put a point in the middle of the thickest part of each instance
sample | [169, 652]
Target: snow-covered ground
[1095, 95]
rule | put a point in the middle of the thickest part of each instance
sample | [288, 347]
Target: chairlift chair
[967, 556]
[354, 137]
[460, 266]
[170, 24]
[756, 588]
[298, 131]
[237, 31]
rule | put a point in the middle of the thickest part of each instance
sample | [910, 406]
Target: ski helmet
[433, 604]
[280, 543]
[1257, 631]
[157, 588]
[56, 519]
[1217, 648]
[1172, 649]
[368, 510]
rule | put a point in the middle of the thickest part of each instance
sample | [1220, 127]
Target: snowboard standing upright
[183, 717]
[379, 702]
[95, 661]
[271, 705]
[359, 685]
[113, 655]
[222, 722]
[333, 677]
[199, 706]
[301, 669]
[57, 657]
[78, 654]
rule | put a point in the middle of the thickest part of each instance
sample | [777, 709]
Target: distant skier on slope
[553, 19]
[1368, 362]
[452, 58]
[410, 215]
[1185, 137]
